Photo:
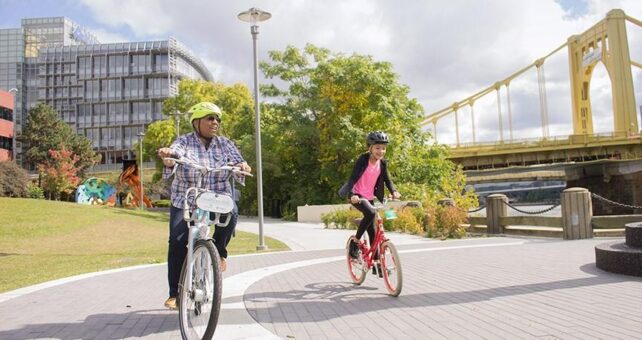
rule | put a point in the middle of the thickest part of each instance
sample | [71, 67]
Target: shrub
[407, 222]
[13, 180]
[35, 192]
[289, 216]
[341, 219]
[447, 223]
[162, 203]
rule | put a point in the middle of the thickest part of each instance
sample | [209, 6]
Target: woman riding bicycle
[369, 175]
[207, 148]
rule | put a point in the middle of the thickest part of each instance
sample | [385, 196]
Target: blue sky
[443, 50]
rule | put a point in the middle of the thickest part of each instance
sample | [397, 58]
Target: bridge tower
[607, 42]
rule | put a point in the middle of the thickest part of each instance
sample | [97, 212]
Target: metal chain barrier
[531, 212]
[606, 200]
[475, 210]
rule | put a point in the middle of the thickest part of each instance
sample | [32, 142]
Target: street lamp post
[253, 16]
[177, 116]
[142, 192]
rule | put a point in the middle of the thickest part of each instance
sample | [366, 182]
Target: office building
[106, 92]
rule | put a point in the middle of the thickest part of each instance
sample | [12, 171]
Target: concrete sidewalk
[476, 288]
[313, 236]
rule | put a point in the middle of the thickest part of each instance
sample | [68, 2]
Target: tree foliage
[60, 173]
[14, 180]
[323, 106]
[44, 131]
[319, 107]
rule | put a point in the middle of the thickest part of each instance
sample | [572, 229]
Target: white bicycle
[200, 285]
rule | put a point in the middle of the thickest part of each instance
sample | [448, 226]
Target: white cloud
[445, 51]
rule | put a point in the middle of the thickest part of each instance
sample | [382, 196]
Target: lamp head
[254, 15]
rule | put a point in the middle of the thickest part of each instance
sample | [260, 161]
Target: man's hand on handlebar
[245, 167]
[164, 153]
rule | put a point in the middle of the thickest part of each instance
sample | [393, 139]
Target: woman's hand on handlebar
[354, 199]
[396, 195]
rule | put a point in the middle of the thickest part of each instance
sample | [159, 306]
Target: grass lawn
[44, 240]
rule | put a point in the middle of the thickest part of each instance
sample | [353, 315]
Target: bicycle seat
[214, 202]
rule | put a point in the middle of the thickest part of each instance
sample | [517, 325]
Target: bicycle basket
[216, 203]
[390, 214]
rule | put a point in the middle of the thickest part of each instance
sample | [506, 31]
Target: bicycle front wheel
[357, 268]
[391, 267]
[199, 308]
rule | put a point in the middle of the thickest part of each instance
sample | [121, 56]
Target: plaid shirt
[221, 152]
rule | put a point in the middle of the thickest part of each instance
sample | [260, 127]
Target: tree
[317, 123]
[44, 131]
[14, 180]
[59, 173]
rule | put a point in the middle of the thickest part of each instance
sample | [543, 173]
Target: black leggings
[368, 212]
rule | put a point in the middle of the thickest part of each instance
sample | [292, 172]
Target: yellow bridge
[607, 43]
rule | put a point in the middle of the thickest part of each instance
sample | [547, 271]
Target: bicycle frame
[368, 251]
[199, 221]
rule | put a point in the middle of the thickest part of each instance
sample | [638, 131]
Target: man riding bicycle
[207, 148]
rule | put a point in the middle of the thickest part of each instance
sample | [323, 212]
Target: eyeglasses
[213, 118]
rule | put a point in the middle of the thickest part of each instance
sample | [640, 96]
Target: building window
[6, 114]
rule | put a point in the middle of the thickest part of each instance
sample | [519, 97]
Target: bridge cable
[633, 20]
[543, 103]
[499, 113]
[510, 112]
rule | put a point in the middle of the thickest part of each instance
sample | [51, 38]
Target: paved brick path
[478, 288]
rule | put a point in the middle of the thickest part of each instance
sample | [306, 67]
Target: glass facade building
[106, 92]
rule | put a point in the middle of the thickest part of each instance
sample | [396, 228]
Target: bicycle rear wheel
[357, 268]
[391, 267]
[199, 308]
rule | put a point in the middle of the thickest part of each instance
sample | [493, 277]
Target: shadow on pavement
[330, 300]
[104, 326]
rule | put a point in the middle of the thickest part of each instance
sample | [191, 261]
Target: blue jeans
[177, 250]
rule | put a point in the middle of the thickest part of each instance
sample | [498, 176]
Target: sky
[444, 51]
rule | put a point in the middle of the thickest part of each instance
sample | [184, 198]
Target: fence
[577, 220]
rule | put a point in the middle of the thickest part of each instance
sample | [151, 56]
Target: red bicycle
[388, 257]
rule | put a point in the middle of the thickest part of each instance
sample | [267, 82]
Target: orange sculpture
[130, 177]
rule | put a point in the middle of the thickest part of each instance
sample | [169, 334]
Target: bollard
[577, 211]
[495, 210]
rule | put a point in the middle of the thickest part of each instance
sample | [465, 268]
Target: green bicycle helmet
[203, 109]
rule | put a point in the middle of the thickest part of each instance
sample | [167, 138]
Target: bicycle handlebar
[383, 204]
[204, 169]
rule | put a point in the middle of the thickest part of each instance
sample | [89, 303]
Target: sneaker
[354, 250]
[171, 303]
[223, 265]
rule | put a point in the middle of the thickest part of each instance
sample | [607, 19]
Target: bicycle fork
[198, 295]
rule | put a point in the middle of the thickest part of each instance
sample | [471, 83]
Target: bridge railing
[549, 141]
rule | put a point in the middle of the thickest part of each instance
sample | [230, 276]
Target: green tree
[322, 109]
[44, 131]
